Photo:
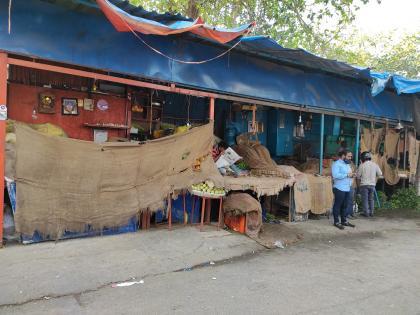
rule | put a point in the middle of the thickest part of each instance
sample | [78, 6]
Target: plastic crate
[236, 223]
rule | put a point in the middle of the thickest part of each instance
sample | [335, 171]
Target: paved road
[362, 274]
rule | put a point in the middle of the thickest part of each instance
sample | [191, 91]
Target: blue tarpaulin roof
[397, 82]
[259, 68]
[266, 46]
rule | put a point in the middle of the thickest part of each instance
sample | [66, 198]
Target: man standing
[342, 177]
[367, 173]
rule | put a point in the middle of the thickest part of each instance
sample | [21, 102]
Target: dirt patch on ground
[278, 235]
[399, 213]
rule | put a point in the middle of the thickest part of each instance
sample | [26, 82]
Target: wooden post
[203, 206]
[405, 155]
[290, 203]
[192, 210]
[169, 211]
[321, 144]
[3, 101]
[185, 207]
[208, 210]
[220, 213]
[211, 108]
[356, 153]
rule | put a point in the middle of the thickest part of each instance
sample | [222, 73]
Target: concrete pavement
[70, 267]
[372, 269]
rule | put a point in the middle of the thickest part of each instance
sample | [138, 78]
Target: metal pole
[356, 153]
[3, 101]
[321, 139]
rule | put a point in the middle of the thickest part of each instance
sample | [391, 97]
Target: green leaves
[405, 198]
[315, 25]
[382, 53]
[294, 23]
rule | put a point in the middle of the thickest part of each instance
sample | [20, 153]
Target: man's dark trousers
[340, 205]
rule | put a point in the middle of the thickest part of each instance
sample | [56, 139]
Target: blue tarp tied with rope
[257, 68]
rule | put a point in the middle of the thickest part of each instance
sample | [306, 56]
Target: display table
[206, 202]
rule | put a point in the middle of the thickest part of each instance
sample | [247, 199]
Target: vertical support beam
[211, 108]
[203, 206]
[184, 203]
[169, 211]
[219, 223]
[3, 101]
[321, 144]
[405, 154]
[405, 148]
[290, 202]
[356, 149]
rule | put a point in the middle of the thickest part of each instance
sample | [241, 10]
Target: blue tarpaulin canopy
[397, 82]
[257, 68]
[266, 46]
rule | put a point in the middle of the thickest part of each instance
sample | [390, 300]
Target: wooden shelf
[106, 126]
[144, 120]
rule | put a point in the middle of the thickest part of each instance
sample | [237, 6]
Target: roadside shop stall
[84, 82]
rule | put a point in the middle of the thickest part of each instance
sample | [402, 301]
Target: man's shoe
[348, 224]
[364, 215]
[339, 226]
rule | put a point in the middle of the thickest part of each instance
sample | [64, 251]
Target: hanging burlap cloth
[413, 154]
[390, 173]
[65, 184]
[302, 194]
[392, 138]
[242, 203]
[10, 148]
[371, 139]
[313, 193]
[322, 197]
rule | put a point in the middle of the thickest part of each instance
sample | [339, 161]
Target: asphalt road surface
[363, 274]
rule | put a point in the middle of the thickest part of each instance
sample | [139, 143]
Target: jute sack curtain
[65, 184]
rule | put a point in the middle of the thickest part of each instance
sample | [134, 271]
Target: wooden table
[206, 203]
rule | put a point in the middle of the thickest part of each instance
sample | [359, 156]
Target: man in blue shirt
[342, 178]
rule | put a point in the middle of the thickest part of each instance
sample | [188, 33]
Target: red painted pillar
[3, 99]
[211, 108]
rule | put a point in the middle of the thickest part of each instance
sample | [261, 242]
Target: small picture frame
[88, 104]
[46, 103]
[69, 106]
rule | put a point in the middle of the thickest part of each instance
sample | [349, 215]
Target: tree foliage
[382, 53]
[315, 25]
[293, 23]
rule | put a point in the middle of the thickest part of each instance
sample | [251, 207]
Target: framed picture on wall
[46, 103]
[69, 106]
[88, 104]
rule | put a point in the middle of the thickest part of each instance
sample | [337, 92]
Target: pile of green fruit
[209, 188]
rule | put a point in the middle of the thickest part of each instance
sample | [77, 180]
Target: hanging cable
[179, 60]
[10, 16]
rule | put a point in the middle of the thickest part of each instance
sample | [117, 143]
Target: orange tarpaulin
[125, 22]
